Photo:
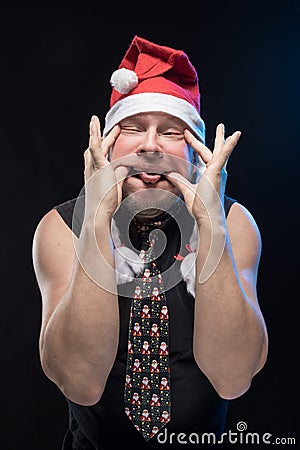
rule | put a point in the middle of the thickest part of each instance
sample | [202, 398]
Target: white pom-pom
[124, 80]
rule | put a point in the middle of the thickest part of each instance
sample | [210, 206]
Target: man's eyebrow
[175, 122]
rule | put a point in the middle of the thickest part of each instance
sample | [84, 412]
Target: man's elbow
[235, 386]
[232, 390]
[75, 388]
[233, 383]
[85, 396]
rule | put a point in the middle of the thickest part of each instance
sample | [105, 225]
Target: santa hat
[155, 78]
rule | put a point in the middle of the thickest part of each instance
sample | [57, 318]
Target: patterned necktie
[147, 393]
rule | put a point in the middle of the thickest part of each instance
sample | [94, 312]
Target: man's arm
[230, 337]
[80, 320]
[80, 323]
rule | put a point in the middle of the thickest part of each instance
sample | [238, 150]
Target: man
[153, 218]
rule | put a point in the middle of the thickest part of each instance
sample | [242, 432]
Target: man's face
[156, 143]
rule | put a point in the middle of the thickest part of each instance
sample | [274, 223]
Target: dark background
[56, 61]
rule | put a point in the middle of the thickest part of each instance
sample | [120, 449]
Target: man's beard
[149, 203]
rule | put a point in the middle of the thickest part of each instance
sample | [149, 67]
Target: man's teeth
[135, 171]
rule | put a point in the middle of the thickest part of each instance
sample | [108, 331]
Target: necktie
[147, 385]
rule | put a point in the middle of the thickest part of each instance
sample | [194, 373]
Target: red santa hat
[155, 78]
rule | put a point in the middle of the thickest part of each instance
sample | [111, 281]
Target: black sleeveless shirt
[196, 406]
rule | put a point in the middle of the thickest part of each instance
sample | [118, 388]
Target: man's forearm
[81, 338]
[229, 331]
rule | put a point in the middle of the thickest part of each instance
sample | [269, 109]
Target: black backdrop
[56, 61]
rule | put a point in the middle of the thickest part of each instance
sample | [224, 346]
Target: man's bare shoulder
[241, 220]
[53, 247]
[245, 238]
[52, 221]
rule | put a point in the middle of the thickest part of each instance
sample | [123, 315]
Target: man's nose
[149, 146]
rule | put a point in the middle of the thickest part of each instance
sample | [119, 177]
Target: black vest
[196, 406]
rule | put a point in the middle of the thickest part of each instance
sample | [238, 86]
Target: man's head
[155, 97]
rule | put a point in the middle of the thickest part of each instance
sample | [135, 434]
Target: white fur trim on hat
[124, 80]
[155, 102]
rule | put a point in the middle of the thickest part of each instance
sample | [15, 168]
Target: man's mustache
[152, 162]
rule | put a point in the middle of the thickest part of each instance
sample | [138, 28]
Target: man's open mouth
[149, 177]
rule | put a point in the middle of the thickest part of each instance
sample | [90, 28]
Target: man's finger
[220, 138]
[179, 181]
[96, 122]
[121, 173]
[200, 148]
[230, 144]
[110, 139]
[95, 144]
[94, 140]
[87, 163]
[221, 156]
[87, 157]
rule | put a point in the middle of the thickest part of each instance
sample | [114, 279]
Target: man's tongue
[149, 177]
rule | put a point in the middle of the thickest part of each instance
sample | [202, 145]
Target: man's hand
[208, 194]
[103, 183]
